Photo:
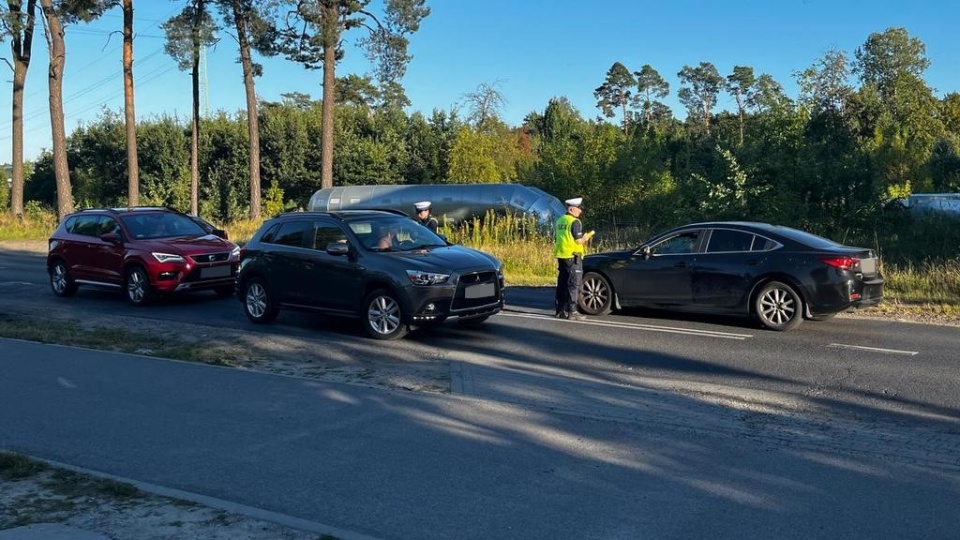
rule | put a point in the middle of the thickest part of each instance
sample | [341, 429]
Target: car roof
[125, 210]
[344, 215]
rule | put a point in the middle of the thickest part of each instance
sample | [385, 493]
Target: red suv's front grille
[211, 257]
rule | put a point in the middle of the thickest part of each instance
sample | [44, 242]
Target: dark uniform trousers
[569, 280]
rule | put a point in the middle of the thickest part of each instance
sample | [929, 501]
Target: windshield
[394, 234]
[160, 225]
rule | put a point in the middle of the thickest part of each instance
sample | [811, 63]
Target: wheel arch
[613, 286]
[783, 278]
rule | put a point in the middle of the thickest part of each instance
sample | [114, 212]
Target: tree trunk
[253, 122]
[58, 55]
[133, 166]
[195, 128]
[22, 47]
[740, 111]
[331, 37]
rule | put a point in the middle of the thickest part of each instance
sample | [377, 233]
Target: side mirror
[645, 250]
[221, 233]
[338, 248]
[112, 237]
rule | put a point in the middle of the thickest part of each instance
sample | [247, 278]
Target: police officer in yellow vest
[569, 251]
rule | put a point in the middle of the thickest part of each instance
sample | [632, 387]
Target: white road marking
[633, 326]
[872, 349]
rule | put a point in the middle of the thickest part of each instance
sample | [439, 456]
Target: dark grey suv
[381, 267]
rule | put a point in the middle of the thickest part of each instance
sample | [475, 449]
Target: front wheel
[382, 316]
[596, 295]
[139, 290]
[60, 280]
[258, 304]
[778, 306]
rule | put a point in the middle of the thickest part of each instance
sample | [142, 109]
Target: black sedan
[777, 274]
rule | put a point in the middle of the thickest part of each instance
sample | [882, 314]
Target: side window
[293, 233]
[268, 236]
[326, 233]
[70, 224]
[726, 240]
[685, 242]
[108, 225]
[87, 226]
[762, 244]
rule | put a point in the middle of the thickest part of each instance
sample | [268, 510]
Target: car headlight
[419, 277]
[167, 257]
[235, 253]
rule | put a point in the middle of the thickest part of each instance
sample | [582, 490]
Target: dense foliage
[864, 132]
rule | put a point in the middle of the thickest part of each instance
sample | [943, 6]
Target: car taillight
[843, 263]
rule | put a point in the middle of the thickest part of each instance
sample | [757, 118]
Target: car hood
[189, 245]
[445, 259]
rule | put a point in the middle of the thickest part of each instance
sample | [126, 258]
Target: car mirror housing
[338, 248]
[112, 237]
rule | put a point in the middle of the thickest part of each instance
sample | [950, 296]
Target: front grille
[211, 257]
[476, 283]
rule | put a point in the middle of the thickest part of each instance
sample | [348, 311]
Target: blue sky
[531, 50]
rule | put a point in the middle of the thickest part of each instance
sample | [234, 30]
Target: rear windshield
[806, 238]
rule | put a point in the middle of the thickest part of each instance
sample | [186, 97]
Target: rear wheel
[596, 295]
[60, 280]
[778, 306]
[258, 304]
[139, 290]
[382, 316]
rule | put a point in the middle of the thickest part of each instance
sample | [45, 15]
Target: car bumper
[851, 295]
[194, 278]
[478, 297]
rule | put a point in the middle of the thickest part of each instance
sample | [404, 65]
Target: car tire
[258, 303]
[382, 316]
[137, 285]
[778, 307]
[596, 295]
[60, 281]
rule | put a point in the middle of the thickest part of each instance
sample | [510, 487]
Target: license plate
[215, 272]
[868, 266]
[482, 290]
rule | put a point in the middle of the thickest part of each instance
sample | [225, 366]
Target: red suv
[145, 251]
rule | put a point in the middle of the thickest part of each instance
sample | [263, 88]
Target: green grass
[73, 332]
[63, 492]
[36, 225]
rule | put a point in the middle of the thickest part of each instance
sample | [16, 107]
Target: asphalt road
[629, 426]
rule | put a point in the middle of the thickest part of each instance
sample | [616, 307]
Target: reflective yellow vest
[565, 246]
